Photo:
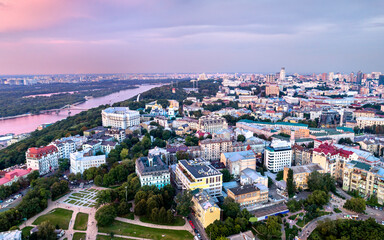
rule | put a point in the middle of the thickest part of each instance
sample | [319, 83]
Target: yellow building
[249, 196]
[365, 179]
[205, 209]
[301, 173]
[198, 173]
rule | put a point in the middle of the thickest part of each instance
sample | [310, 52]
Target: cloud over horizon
[107, 36]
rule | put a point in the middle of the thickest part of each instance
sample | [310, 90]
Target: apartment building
[43, 159]
[65, 148]
[332, 159]
[205, 209]
[236, 162]
[212, 123]
[365, 179]
[301, 173]
[120, 117]
[199, 173]
[251, 176]
[211, 149]
[83, 160]
[272, 90]
[363, 122]
[278, 155]
[249, 196]
[152, 171]
[118, 134]
[301, 155]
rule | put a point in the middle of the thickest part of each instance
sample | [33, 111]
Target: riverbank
[28, 122]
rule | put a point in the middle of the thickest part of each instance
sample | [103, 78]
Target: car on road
[191, 223]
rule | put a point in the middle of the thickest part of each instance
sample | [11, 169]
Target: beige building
[212, 123]
[272, 90]
[238, 161]
[365, 179]
[301, 155]
[249, 196]
[363, 122]
[205, 209]
[212, 148]
[363, 113]
[332, 159]
[301, 173]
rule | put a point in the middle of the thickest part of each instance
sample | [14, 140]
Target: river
[29, 123]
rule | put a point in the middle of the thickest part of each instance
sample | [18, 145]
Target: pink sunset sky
[110, 36]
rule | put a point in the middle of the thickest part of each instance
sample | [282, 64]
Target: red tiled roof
[39, 152]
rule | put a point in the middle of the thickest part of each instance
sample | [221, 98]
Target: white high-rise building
[120, 117]
[282, 74]
[278, 155]
[330, 76]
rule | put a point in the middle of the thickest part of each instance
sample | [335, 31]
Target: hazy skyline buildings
[49, 37]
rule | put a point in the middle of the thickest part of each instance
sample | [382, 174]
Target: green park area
[81, 221]
[179, 221]
[58, 217]
[127, 229]
[79, 236]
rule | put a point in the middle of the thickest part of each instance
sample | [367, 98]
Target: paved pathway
[137, 221]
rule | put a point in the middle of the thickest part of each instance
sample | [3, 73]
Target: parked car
[191, 223]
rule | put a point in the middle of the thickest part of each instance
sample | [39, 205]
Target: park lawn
[301, 222]
[58, 216]
[179, 221]
[80, 195]
[103, 237]
[81, 221]
[26, 231]
[79, 236]
[127, 229]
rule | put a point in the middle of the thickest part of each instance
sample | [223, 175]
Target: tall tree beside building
[290, 183]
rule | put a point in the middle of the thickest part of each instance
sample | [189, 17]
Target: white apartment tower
[282, 74]
[278, 155]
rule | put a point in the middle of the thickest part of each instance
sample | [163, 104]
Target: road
[307, 230]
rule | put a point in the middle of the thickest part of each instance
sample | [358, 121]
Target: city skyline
[65, 37]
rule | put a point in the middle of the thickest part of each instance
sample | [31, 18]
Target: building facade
[199, 173]
[249, 196]
[238, 161]
[205, 209]
[44, 159]
[278, 155]
[120, 117]
[83, 160]
[212, 124]
[152, 171]
[301, 173]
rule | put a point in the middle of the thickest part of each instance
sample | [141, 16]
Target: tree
[279, 175]
[124, 153]
[98, 180]
[355, 204]
[181, 155]
[230, 208]
[290, 183]
[105, 215]
[240, 138]
[184, 203]
[141, 208]
[155, 215]
[318, 198]
[226, 175]
[46, 231]
[321, 181]
[63, 164]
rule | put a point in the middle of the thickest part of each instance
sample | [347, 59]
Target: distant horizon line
[167, 73]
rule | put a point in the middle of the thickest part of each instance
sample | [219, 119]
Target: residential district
[271, 156]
